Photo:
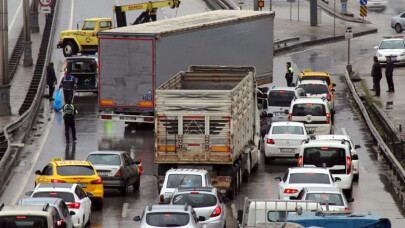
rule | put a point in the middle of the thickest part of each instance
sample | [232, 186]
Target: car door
[46, 174]
[87, 35]
[84, 200]
[130, 168]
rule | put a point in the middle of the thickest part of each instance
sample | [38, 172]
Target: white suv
[318, 89]
[279, 101]
[183, 178]
[331, 154]
[313, 112]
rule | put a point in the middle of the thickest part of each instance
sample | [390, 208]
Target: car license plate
[394, 58]
[82, 185]
[103, 173]
[126, 118]
[287, 150]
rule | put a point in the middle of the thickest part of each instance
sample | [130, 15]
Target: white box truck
[135, 60]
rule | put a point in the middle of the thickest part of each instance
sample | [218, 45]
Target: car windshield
[324, 156]
[314, 88]
[167, 219]
[332, 198]
[195, 199]
[75, 170]
[309, 109]
[316, 77]
[280, 98]
[23, 221]
[184, 180]
[66, 196]
[104, 159]
[392, 44]
[309, 178]
[287, 130]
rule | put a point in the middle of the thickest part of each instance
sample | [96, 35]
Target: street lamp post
[27, 35]
[5, 108]
[334, 18]
[34, 17]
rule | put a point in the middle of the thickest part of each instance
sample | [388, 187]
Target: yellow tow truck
[85, 40]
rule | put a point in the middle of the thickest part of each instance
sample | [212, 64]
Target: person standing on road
[389, 69]
[69, 112]
[289, 74]
[50, 79]
[376, 73]
[69, 86]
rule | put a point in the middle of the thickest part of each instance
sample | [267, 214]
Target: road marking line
[16, 15]
[234, 211]
[72, 6]
[124, 210]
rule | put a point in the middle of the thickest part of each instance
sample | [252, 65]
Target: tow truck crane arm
[148, 15]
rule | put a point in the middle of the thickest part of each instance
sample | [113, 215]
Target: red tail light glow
[148, 119]
[300, 161]
[21, 217]
[74, 205]
[270, 141]
[194, 192]
[328, 97]
[290, 117]
[162, 198]
[106, 117]
[119, 173]
[346, 209]
[98, 181]
[290, 191]
[57, 181]
[327, 118]
[349, 165]
[217, 211]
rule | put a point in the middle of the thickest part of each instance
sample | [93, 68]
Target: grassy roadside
[369, 98]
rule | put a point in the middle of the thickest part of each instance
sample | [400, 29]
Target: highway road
[372, 192]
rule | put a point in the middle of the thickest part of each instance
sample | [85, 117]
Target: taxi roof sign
[57, 159]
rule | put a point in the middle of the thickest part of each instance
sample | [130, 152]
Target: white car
[330, 198]
[318, 89]
[355, 156]
[391, 46]
[73, 195]
[284, 140]
[331, 154]
[398, 22]
[377, 5]
[279, 101]
[296, 178]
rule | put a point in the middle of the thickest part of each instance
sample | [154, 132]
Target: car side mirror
[137, 218]
[355, 157]
[201, 218]
[332, 90]
[72, 212]
[375, 47]
[137, 162]
[38, 172]
[29, 193]
[337, 179]
[286, 111]
[357, 146]
[277, 178]
[90, 194]
[350, 200]
[333, 84]
[240, 216]
[226, 200]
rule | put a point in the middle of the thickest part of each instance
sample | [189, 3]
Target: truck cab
[84, 40]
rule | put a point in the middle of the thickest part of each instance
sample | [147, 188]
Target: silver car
[398, 22]
[207, 203]
[116, 169]
[181, 216]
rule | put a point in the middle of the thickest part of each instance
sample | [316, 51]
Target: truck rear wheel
[69, 49]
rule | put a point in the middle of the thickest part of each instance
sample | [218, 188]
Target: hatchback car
[116, 169]
[72, 171]
[391, 46]
[168, 216]
[279, 101]
[207, 202]
[330, 198]
[398, 22]
[296, 178]
[319, 89]
[74, 196]
[284, 140]
[62, 210]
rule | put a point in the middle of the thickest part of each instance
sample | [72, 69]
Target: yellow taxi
[314, 75]
[73, 171]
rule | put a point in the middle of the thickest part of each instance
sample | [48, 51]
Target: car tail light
[300, 161]
[290, 117]
[104, 117]
[162, 198]
[74, 205]
[290, 191]
[59, 223]
[327, 118]
[21, 217]
[119, 173]
[349, 165]
[98, 181]
[194, 192]
[216, 212]
[269, 141]
[328, 97]
[57, 181]
[346, 209]
[148, 119]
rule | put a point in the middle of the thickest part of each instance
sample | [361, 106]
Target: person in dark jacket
[69, 113]
[376, 73]
[289, 74]
[69, 86]
[389, 69]
[50, 79]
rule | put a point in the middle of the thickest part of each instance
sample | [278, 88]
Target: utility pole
[5, 108]
[34, 17]
[27, 34]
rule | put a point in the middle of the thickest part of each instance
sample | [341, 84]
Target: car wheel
[83, 223]
[356, 177]
[124, 189]
[137, 184]
[398, 28]
[89, 219]
[99, 205]
[69, 49]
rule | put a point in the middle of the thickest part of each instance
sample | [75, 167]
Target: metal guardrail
[278, 43]
[392, 162]
[26, 119]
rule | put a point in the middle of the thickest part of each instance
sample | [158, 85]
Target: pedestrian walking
[289, 74]
[376, 73]
[69, 112]
[69, 86]
[389, 69]
[50, 80]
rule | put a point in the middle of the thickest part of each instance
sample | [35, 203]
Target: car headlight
[379, 54]
[402, 54]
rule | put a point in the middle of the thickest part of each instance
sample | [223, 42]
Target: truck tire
[69, 49]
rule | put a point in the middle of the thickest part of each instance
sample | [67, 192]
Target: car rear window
[309, 178]
[75, 170]
[309, 109]
[23, 221]
[167, 219]
[280, 98]
[322, 198]
[323, 78]
[195, 199]
[66, 196]
[184, 180]
[314, 88]
[104, 159]
[288, 130]
[392, 44]
[324, 156]
[82, 66]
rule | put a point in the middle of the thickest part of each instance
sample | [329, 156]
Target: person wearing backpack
[69, 112]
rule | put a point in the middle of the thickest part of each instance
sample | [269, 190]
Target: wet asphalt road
[371, 193]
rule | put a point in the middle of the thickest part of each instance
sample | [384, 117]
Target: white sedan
[284, 140]
[391, 46]
[330, 198]
[296, 178]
